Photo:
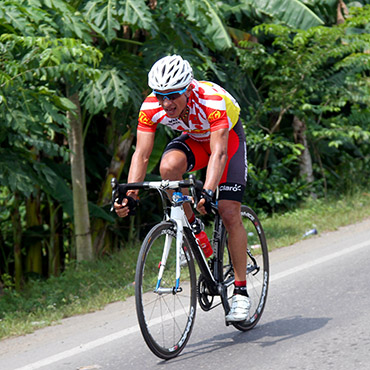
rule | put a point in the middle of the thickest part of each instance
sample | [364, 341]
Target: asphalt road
[317, 317]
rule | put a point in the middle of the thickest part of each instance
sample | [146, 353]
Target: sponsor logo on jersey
[143, 118]
[214, 116]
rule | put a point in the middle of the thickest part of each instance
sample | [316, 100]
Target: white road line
[318, 261]
[77, 350]
[120, 334]
[93, 344]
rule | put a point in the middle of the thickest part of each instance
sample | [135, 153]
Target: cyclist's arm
[216, 163]
[218, 158]
[140, 158]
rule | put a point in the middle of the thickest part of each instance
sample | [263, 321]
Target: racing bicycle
[167, 282]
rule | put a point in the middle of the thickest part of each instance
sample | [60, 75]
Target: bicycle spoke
[165, 319]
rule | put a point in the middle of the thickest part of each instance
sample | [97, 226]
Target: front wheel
[165, 316]
[257, 268]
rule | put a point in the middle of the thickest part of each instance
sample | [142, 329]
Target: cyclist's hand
[204, 206]
[200, 207]
[126, 208]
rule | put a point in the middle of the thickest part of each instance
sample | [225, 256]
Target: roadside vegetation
[89, 286]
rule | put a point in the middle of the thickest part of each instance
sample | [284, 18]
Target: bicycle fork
[178, 216]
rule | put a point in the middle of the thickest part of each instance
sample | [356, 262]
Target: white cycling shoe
[240, 306]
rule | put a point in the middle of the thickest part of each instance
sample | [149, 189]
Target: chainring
[204, 298]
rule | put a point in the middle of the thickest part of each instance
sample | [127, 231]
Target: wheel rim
[165, 319]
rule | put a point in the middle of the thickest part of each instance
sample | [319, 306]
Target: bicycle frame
[213, 280]
[176, 214]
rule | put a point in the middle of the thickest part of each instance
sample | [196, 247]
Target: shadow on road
[280, 330]
[264, 335]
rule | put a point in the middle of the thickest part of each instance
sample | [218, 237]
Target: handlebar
[162, 185]
[119, 190]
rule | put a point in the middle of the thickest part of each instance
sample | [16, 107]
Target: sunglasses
[170, 95]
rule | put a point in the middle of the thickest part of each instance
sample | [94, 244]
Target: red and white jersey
[211, 108]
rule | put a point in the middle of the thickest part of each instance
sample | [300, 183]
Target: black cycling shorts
[234, 177]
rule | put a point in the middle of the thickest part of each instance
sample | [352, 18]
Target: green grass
[87, 287]
[323, 214]
[82, 288]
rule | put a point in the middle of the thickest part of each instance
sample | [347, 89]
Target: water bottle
[205, 244]
[309, 232]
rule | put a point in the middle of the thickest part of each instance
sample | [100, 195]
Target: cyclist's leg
[257, 268]
[230, 212]
[232, 187]
[179, 157]
[173, 165]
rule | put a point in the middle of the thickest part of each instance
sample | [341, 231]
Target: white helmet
[170, 72]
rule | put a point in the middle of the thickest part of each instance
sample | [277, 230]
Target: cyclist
[212, 136]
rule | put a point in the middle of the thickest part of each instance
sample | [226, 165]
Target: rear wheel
[166, 316]
[257, 268]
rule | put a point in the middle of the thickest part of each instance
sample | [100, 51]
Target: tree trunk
[80, 203]
[115, 170]
[17, 232]
[54, 240]
[271, 131]
[342, 11]
[305, 163]
[34, 250]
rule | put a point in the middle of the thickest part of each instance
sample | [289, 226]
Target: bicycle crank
[204, 298]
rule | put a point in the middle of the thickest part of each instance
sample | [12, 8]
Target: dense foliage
[319, 77]
[299, 71]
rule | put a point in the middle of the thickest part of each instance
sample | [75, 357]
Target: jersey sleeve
[148, 111]
[221, 109]
[216, 113]
[218, 120]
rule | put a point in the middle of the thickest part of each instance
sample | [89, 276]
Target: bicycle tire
[257, 279]
[166, 320]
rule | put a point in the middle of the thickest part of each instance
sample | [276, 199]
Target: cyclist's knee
[173, 165]
[230, 213]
